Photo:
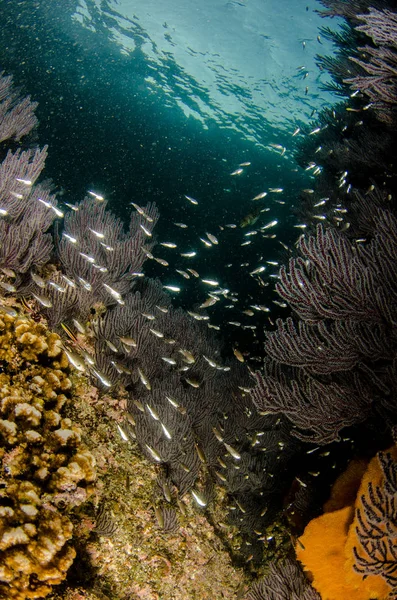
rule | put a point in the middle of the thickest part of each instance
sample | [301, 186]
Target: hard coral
[45, 469]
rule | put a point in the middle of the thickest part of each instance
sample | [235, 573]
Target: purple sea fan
[29, 212]
[17, 116]
[285, 581]
[379, 65]
[99, 256]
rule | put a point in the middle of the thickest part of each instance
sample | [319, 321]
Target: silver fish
[144, 379]
[43, 300]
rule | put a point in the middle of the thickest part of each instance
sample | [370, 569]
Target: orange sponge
[326, 547]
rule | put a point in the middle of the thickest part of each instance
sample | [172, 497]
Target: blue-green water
[152, 101]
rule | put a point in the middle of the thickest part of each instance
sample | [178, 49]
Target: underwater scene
[198, 300]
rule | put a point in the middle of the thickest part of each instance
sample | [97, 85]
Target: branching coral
[45, 469]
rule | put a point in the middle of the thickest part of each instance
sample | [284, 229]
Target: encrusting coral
[46, 471]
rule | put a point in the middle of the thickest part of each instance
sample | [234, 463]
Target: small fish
[188, 254]
[212, 238]
[116, 295]
[193, 272]
[145, 230]
[96, 196]
[167, 435]
[232, 451]
[172, 288]
[43, 300]
[192, 200]
[97, 233]
[70, 238]
[168, 245]
[276, 190]
[173, 402]
[181, 225]
[259, 196]
[159, 517]
[161, 261]
[168, 360]
[297, 130]
[37, 279]
[252, 217]
[187, 356]
[206, 242]
[142, 212]
[58, 212]
[144, 379]
[210, 282]
[86, 285]
[193, 382]
[8, 287]
[197, 316]
[211, 362]
[183, 273]
[24, 181]
[57, 287]
[11, 312]
[269, 225]
[199, 499]
[88, 258]
[120, 368]
[238, 355]
[157, 333]
[258, 270]
[237, 172]
[209, 302]
[71, 206]
[111, 346]
[3, 212]
[200, 453]
[127, 341]
[148, 316]
[8, 272]
[221, 477]
[75, 360]
[122, 433]
[162, 308]
[155, 455]
[152, 412]
[102, 378]
[232, 225]
[244, 164]
[317, 130]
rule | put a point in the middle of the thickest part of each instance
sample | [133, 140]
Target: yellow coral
[43, 463]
